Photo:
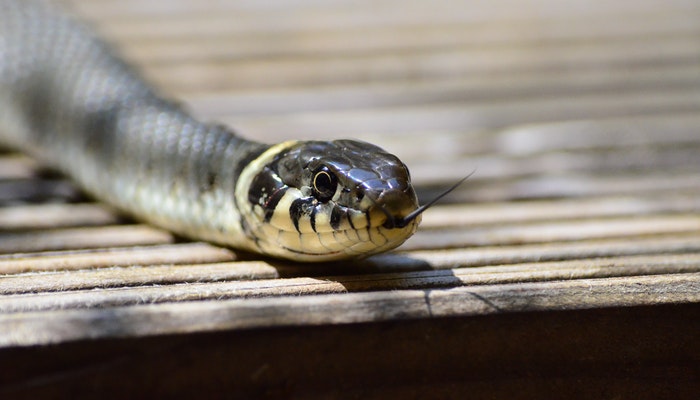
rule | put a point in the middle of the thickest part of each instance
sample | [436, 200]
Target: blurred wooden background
[568, 265]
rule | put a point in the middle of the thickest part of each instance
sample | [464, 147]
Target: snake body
[67, 99]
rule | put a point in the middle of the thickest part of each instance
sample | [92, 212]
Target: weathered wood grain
[567, 266]
[83, 238]
[36, 328]
[81, 259]
[52, 216]
[66, 297]
[474, 215]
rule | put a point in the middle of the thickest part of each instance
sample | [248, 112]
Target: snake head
[329, 200]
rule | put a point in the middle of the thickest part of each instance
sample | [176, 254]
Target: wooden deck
[567, 266]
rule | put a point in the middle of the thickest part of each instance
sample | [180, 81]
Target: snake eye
[325, 184]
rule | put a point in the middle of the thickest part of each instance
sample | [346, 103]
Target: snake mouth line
[306, 253]
[377, 236]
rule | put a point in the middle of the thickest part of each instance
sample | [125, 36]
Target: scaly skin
[67, 100]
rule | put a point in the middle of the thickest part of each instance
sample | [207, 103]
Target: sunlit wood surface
[568, 264]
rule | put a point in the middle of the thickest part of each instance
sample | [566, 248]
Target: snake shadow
[377, 264]
[385, 272]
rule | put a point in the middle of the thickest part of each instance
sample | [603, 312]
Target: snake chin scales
[326, 200]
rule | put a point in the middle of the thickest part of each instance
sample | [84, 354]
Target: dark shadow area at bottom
[637, 352]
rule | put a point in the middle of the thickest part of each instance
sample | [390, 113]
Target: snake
[69, 100]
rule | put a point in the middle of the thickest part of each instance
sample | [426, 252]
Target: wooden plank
[133, 276]
[263, 73]
[175, 18]
[478, 116]
[531, 36]
[27, 329]
[444, 279]
[556, 231]
[467, 88]
[560, 251]
[185, 255]
[83, 238]
[578, 355]
[200, 43]
[75, 260]
[45, 216]
[473, 215]
[574, 185]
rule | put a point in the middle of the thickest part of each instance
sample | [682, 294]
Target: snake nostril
[397, 203]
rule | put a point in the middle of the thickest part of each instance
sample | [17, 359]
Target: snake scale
[68, 100]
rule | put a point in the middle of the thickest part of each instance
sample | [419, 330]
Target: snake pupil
[325, 184]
